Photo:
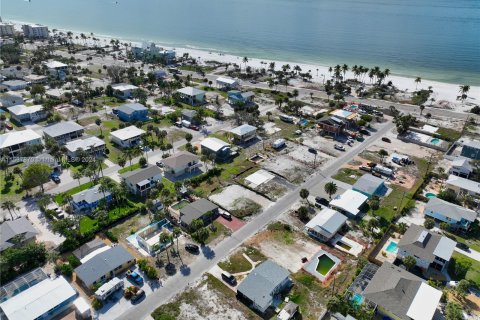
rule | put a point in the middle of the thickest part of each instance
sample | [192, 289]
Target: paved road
[475, 255]
[212, 256]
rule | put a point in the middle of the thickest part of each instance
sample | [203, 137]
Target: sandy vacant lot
[227, 197]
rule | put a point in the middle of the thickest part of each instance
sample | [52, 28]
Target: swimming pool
[430, 195]
[357, 299]
[324, 264]
[392, 247]
[435, 141]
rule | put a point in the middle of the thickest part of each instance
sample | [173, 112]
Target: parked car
[194, 127]
[135, 277]
[226, 215]
[137, 296]
[365, 168]
[178, 124]
[322, 201]
[228, 278]
[463, 246]
[192, 247]
[339, 147]
[312, 150]
[55, 178]
[159, 164]
[9, 126]
[365, 132]
[386, 139]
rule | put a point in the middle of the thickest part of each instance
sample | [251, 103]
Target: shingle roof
[451, 210]
[88, 248]
[10, 229]
[102, 264]
[61, 128]
[90, 195]
[260, 283]
[368, 183]
[141, 174]
[195, 210]
[420, 242]
[243, 129]
[179, 159]
[130, 108]
[17, 137]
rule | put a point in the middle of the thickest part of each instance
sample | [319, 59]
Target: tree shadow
[185, 270]
[171, 269]
[208, 252]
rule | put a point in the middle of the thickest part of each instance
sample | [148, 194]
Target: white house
[16, 141]
[92, 145]
[192, 96]
[429, 249]
[350, 202]
[62, 132]
[35, 78]
[57, 69]
[35, 31]
[140, 181]
[462, 186]
[21, 113]
[461, 167]
[127, 137]
[7, 29]
[244, 133]
[123, 90]
[325, 224]
[456, 216]
[224, 83]
[15, 85]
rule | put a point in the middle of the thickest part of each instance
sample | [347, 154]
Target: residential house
[21, 113]
[16, 141]
[331, 125]
[16, 233]
[288, 312]
[461, 167]
[236, 97]
[470, 149]
[140, 181]
[160, 74]
[325, 224]
[219, 148]
[181, 163]
[88, 248]
[87, 200]
[127, 137]
[15, 85]
[189, 115]
[44, 158]
[35, 31]
[93, 146]
[63, 132]
[148, 237]
[35, 78]
[199, 209]
[224, 83]
[46, 299]
[57, 69]
[192, 96]
[244, 133]
[401, 295]
[346, 116]
[462, 186]
[350, 203]
[104, 266]
[123, 90]
[132, 112]
[7, 29]
[10, 99]
[370, 186]
[429, 249]
[263, 285]
[456, 216]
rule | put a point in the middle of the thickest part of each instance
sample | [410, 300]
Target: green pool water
[324, 264]
[435, 141]
[180, 205]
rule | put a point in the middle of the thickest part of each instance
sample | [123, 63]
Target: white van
[186, 123]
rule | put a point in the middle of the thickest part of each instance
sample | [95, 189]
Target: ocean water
[433, 39]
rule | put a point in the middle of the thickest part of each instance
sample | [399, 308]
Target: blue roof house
[87, 200]
[370, 186]
[131, 112]
[236, 97]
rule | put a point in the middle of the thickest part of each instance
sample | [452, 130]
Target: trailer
[383, 170]
[109, 288]
[278, 144]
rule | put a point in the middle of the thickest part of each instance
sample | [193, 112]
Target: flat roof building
[16, 141]
[325, 224]
[64, 131]
[35, 31]
[127, 137]
[21, 113]
[349, 202]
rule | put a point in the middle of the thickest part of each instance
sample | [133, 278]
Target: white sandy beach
[441, 91]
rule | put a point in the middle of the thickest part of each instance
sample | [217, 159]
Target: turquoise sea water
[434, 39]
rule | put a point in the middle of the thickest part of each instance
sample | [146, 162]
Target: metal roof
[450, 210]
[368, 184]
[61, 128]
[21, 109]
[243, 129]
[350, 201]
[213, 144]
[89, 195]
[190, 91]
[17, 137]
[84, 143]
[139, 175]
[130, 108]
[463, 183]
[424, 303]
[328, 220]
[127, 133]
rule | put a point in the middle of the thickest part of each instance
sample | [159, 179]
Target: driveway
[475, 255]
[233, 224]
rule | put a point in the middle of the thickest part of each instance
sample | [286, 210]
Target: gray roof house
[370, 185]
[62, 132]
[198, 210]
[140, 181]
[16, 232]
[189, 115]
[325, 224]
[104, 266]
[402, 294]
[44, 158]
[181, 163]
[87, 200]
[456, 216]
[88, 248]
[244, 133]
[428, 248]
[263, 284]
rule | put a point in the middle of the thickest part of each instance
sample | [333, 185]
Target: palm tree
[98, 122]
[176, 234]
[304, 193]
[330, 188]
[417, 81]
[164, 239]
[344, 70]
[8, 205]
[464, 91]
[422, 107]
[245, 60]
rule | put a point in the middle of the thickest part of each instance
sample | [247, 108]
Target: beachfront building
[429, 249]
[140, 181]
[456, 216]
[127, 137]
[7, 29]
[35, 31]
[192, 96]
[471, 149]
[63, 132]
[461, 167]
[93, 146]
[370, 186]
[87, 200]
[347, 116]
[104, 266]
[325, 224]
[398, 294]
[243, 133]
[131, 112]
[181, 163]
[22, 114]
[16, 141]
[239, 98]
[15, 85]
[263, 286]
[17, 233]
[331, 125]
[224, 83]
[200, 209]
[43, 300]
[216, 147]
[57, 69]
[152, 52]
[350, 203]
[10, 99]
[123, 90]
[462, 186]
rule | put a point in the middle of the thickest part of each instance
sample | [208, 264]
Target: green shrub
[97, 304]
[66, 269]
[73, 261]
[109, 234]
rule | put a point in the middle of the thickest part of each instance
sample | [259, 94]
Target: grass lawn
[236, 263]
[220, 230]
[60, 198]
[472, 238]
[87, 121]
[77, 167]
[11, 190]
[473, 274]
[345, 175]
[130, 168]
[87, 224]
[254, 254]
[287, 129]
[167, 184]
[107, 101]
[114, 153]
[222, 135]
[449, 134]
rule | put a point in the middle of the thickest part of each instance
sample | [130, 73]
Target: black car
[365, 132]
[192, 247]
[137, 296]
[386, 139]
[56, 179]
[463, 246]
[322, 201]
[159, 164]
